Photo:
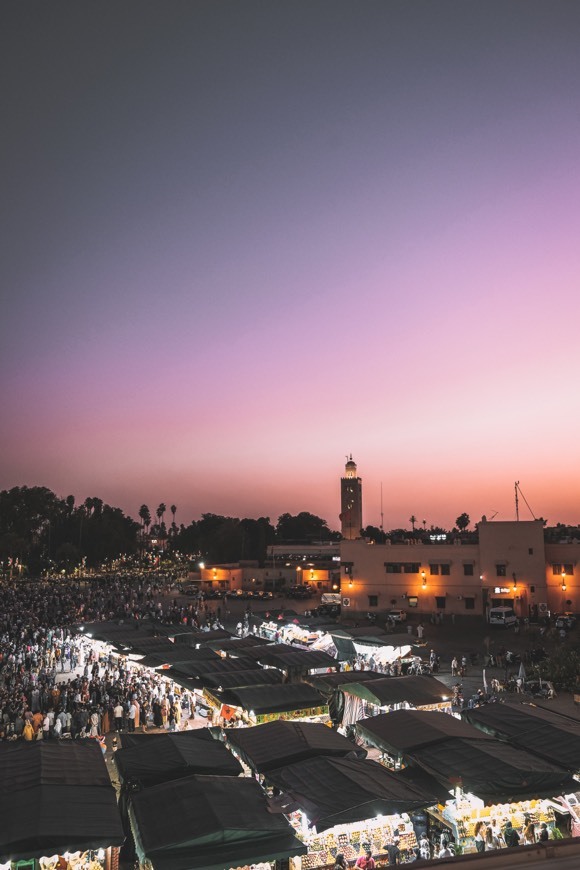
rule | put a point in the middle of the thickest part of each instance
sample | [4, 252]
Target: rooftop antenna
[495, 513]
[517, 503]
[382, 517]
[518, 490]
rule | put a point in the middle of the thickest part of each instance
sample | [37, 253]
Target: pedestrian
[420, 631]
[491, 840]
[479, 836]
[510, 835]
[393, 851]
[340, 862]
[118, 714]
[529, 834]
[424, 847]
[544, 834]
[445, 851]
[454, 666]
[366, 861]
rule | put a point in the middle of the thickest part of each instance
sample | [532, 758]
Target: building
[506, 564]
[351, 502]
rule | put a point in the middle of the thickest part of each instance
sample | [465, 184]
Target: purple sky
[241, 240]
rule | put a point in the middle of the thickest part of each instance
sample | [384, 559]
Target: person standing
[510, 835]
[529, 834]
[366, 862]
[118, 713]
[479, 836]
[544, 834]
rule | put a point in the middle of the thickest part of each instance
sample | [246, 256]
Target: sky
[242, 240]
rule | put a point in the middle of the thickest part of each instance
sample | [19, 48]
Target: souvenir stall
[58, 807]
[254, 705]
[295, 663]
[387, 655]
[347, 805]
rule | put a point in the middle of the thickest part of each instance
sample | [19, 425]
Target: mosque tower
[350, 502]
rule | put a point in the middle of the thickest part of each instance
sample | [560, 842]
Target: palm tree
[413, 520]
[161, 512]
[145, 515]
[173, 510]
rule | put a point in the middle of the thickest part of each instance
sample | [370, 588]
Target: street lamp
[424, 578]
[563, 580]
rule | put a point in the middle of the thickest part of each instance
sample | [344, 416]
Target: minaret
[350, 502]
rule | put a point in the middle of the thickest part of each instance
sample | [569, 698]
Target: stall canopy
[542, 732]
[328, 683]
[492, 770]
[233, 645]
[346, 641]
[55, 797]
[279, 743]
[209, 822]
[333, 791]
[177, 654]
[272, 699]
[419, 691]
[289, 658]
[216, 665]
[402, 731]
[173, 756]
[239, 679]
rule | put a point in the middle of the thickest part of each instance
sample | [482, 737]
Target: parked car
[300, 592]
[191, 589]
[327, 610]
[565, 620]
[397, 615]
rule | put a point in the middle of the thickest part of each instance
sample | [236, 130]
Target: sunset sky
[241, 240]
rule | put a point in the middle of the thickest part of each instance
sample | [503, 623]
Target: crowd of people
[54, 684]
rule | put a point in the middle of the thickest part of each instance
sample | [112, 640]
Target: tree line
[39, 529]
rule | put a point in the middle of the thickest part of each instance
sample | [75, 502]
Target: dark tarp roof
[279, 743]
[55, 797]
[239, 679]
[121, 632]
[140, 739]
[177, 654]
[328, 683]
[209, 822]
[492, 770]
[334, 791]
[173, 756]
[418, 691]
[546, 733]
[402, 731]
[234, 644]
[344, 639]
[272, 699]
[294, 659]
[213, 666]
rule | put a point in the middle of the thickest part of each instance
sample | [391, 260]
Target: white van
[502, 617]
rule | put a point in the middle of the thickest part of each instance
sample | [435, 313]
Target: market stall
[295, 662]
[346, 805]
[57, 802]
[539, 731]
[398, 733]
[254, 705]
[172, 756]
[391, 693]
[279, 743]
[209, 823]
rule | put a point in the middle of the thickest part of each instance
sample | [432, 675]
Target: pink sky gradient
[239, 247]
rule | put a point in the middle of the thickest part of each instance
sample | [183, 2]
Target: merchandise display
[354, 840]
[465, 813]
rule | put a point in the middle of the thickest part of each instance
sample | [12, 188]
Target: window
[348, 566]
[412, 601]
[433, 569]
[530, 551]
[440, 602]
[532, 588]
[411, 567]
[568, 569]
[500, 571]
[393, 567]
[373, 600]
[446, 569]
[556, 570]
[469, 603]
[468, 570]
